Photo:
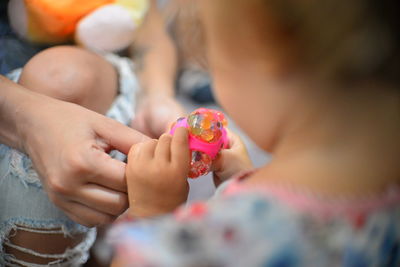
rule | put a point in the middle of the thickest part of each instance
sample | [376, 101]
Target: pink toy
[207, 136]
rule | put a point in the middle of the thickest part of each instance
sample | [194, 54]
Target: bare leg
[72, 74]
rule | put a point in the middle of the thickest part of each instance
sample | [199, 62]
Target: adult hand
[68, 145]
[155, 114]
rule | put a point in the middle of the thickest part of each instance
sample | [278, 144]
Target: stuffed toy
[99, 25]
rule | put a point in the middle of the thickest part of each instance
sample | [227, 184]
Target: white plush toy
[100, 25]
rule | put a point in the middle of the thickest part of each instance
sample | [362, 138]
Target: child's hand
[232, 160]
[157, 174]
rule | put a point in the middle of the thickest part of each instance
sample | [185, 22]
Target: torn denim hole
[74, 256]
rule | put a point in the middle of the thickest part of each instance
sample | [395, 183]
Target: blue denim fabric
[23, 202]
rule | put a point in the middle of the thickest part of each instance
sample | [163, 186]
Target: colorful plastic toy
[207, 136]
[99, 25]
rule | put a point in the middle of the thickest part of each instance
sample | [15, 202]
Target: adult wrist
[11, 107]
[27, 110]
[18, 106]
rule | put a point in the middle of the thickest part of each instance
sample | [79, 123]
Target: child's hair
[349, 40]
[346, 40]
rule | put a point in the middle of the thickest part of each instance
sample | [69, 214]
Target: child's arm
[232, 160]
[155, 57]
[157, 175]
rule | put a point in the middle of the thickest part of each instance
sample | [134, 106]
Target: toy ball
[207, 136]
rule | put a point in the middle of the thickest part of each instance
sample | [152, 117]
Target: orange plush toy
[100, 25]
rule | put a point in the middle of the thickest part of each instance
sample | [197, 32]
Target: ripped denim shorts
[24, 204]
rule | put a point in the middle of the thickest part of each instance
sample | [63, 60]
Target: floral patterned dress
[269, 226]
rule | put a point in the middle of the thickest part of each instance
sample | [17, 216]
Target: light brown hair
[347, 40]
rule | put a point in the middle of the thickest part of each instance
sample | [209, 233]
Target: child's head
[270, 57]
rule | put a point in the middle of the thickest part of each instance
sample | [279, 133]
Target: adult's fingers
[85, 215]
[102, 199]
[108, 172]
[117, 135]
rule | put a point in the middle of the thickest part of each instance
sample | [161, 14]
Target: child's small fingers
[133, 152]
[232, 137]
[163, 149]
[217, 162]
[180, 147]
[145, 149]
[235, 141]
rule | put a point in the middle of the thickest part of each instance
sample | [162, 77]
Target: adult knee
[71, 74]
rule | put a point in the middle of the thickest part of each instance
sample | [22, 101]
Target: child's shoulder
[315, 204]
[302, 203]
